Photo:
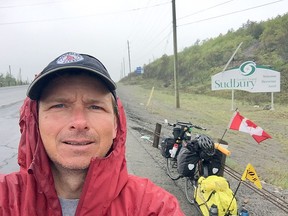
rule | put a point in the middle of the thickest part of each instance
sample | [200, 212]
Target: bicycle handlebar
[187, 124]
[222, 149]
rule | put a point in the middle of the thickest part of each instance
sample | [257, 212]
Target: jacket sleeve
[157, 201]
[142, 197]
[9, 195]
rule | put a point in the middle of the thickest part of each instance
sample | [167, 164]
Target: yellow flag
[251, 175]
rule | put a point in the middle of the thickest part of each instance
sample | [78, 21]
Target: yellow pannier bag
[215, 190]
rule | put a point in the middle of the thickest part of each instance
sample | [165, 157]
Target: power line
[147, 7]
[234, 12]
[206, 9]
[57, 2]
[34, 4]
[159, 34]
[151, 26]
[146, 51]
[150, 30]
[151, 33]
[131, 10]
[83, 16]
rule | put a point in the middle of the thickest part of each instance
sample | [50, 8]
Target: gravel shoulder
[142, 121]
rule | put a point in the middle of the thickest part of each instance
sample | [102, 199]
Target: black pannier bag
[215, 165]
[215, 162]
[176, 132]
[166, 145]
[186, 161]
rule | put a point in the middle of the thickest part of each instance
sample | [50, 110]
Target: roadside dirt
[146, 119]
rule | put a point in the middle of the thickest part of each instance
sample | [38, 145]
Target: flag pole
[227, 212]
[223, 135]
[228, 126]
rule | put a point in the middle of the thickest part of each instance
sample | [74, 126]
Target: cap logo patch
[69, 58]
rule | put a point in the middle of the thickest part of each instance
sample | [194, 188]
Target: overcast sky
[34, 32]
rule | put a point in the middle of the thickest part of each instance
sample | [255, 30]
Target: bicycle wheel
[171, 167]
[190, 186]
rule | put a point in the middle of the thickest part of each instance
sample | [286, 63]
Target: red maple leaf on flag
[245, 125]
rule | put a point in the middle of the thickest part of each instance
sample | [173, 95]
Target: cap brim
[35, 89]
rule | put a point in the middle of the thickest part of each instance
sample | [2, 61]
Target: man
[72, 149]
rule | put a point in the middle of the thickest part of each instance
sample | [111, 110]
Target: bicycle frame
[181, 135]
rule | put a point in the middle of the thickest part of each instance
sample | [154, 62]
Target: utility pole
[124, 67]
[10, 76]
[20, 77]
[121, 72]
[129, 57]
[177, 101]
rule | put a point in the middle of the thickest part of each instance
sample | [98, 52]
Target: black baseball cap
[70, 61]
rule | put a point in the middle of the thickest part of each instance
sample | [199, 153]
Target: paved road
[11, 99]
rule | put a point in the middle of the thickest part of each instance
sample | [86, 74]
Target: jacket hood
[106, 176]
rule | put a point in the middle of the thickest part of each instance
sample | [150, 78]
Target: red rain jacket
[108, 189]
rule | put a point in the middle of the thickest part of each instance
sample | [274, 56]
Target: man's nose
[79, 119]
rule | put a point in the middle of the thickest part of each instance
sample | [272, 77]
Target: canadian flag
[243, 124]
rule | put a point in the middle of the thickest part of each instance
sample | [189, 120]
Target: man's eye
[58, 106]
[94, 107]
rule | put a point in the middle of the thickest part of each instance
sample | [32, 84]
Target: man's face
[76, 121]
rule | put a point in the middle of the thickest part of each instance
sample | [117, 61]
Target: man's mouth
[78, 143]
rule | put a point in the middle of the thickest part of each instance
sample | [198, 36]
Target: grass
[268, 158]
